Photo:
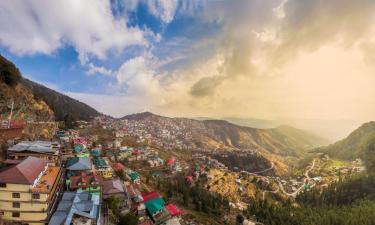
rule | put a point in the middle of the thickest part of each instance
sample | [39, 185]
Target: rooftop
[150, 195]
[100, 162]
[36, 146]
[47, 180]
[112, 186]
[155, 205]
[76, 204]
[79, 163]
[25, 172]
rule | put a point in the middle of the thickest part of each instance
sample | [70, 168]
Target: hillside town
[73, 180]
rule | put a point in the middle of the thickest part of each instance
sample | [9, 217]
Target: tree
[113, 204]
[239, 219]
[9, 73]
[69, 121]
[368, 153]
[128, 219]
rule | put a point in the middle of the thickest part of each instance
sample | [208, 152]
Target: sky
[311, 59]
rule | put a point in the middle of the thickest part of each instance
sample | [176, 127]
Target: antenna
[11, 114]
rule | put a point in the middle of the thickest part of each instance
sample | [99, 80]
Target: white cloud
[163, 9]
[93, 69]
[37, 26]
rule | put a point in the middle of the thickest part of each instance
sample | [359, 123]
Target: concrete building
[28, 192]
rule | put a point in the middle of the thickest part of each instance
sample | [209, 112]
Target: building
[78, 207]
[28, 191]
[85, 182]
[76, 165]
[116, 189]
[134, 177]
[103, 168]
[47, 150]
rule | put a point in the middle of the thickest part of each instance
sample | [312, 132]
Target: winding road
[307, 179]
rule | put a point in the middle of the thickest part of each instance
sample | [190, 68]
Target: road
[307, 179]
[262, 171]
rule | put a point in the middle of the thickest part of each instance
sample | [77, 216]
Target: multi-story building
[28, 192]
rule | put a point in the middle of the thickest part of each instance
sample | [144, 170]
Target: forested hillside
[351, 147]
[61, 104]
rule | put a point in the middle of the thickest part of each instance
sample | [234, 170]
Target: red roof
[189, 179]
[84, 178]
[149, 196]
[170, 162]
[173, 210]
[118, 166]
[24, 172]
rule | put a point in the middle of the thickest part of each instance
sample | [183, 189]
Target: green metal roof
[155, 205]
[99, 162]
[133, 175]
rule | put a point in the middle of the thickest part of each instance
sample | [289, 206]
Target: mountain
[283, 140]
[33, 101]
[349, 148]
[61, 104]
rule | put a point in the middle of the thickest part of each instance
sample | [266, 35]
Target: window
[36, 196]
[16, 195]
[16, 205]
[15, 214]
[3, 185]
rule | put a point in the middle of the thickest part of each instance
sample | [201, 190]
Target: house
[96, 152]
[46, 150]
[189, 179]
[157, 211]
[86, 182]
[155, 206]
[150, 196]
[134, 194]
[134, 177]
[76, 165]
[102, 168]
[76, 207]
[115, 188]
[28, 191]
[173, 210]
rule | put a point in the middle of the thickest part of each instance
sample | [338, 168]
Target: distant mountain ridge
[283, 140]
[33, 101]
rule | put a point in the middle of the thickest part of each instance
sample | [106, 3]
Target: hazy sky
[250, 58]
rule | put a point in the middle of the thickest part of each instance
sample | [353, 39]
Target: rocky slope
[36, 102]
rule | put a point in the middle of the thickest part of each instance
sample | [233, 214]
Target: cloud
[260, 38]
[93, 69]
[32, 27]
[163, 9]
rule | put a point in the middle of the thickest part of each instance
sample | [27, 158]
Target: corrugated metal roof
[34, 146]
[25, 172]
